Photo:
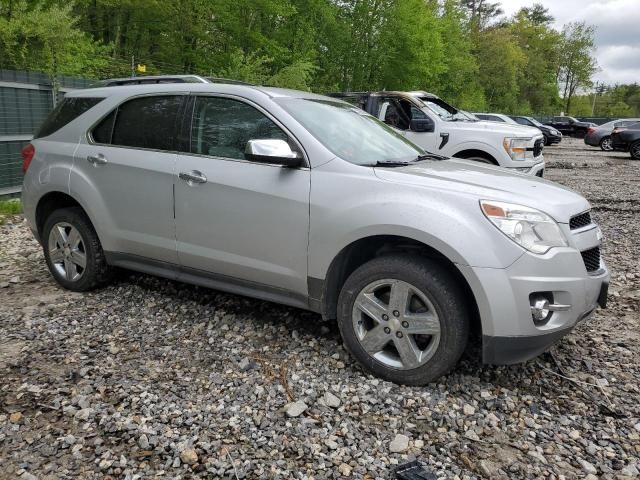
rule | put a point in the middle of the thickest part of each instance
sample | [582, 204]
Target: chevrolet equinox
[305, 200]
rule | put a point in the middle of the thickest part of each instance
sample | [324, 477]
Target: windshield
[349, 132]
[534, 121]
[439, 107]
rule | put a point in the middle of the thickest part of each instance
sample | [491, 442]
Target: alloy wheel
[67, 251]
[606, 144]
[396, 324]
[635, 150]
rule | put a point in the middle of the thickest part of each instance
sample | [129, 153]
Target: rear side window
[67, 110]
[146, 122]
[103, 132]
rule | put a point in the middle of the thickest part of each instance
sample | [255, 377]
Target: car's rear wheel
[606, 144]
[73, 251]
[404, 318]
[634, 150]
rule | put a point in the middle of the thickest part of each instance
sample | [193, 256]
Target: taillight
[618, 130]
[590, 130]
[27, 153]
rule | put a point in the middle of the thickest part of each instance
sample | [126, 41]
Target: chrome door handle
[96, 160]
[193, 177]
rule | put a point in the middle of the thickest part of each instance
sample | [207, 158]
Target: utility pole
[133, 66]
[595, 95]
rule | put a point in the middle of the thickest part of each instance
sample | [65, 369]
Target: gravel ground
[152, 378]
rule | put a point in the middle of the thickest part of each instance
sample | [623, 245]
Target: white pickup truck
[438, 127]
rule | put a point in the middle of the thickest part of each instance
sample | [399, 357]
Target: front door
[236, 218]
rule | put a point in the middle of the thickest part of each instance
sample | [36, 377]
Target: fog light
[540, 309]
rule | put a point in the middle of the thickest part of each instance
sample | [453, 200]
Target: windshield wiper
[430, 156]
[391, 163]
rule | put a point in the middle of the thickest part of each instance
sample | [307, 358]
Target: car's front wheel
[606, 144]
[404, 318]
[73, 251]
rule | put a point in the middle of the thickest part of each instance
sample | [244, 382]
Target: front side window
[145, 122]
[349, 132]
[221, 127]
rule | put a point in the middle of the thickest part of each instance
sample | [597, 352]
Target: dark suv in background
[570, 126]
[551, 135]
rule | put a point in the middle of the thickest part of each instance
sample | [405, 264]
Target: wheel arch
[324, 292]
[474, 152]
[52, 201]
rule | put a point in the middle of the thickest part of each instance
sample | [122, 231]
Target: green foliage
[463, 50]
[10, 207]
[45, 38]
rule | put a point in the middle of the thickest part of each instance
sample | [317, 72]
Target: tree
[537, 87]
[502, 66]
[46, 38]
[576, 64]
[537, 14]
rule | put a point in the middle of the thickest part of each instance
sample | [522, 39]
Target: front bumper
[552, 139]
[503, 298]
[536, 170]
[499, 350]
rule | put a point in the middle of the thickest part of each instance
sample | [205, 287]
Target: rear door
[236, 218]
[127, 168]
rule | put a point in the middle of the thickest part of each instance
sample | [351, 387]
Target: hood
[486, 182]
[506, 129]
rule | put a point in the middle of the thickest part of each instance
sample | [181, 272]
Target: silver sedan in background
[600, 136]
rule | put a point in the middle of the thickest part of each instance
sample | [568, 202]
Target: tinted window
[103, 131]
[222, 127]
[147, 122]
[67, 110]
[522, 121]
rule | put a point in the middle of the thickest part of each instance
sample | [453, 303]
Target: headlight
[517, 148]
[530, 228]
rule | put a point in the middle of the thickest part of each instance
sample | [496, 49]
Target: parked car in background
[438, 127]
[600, 136]
[570, 126]
[494, 117]
[551, 135]
[627, 139]
[309, 201]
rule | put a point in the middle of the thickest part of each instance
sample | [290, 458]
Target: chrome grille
[580, 221]
[591, 259]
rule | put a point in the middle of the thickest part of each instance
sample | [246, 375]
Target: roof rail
[152, 79]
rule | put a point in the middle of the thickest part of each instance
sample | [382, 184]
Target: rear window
[67, 110]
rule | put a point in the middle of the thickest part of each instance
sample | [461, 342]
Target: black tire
[96, 273]
[605, 144]
[439, 286]
[547, 142]
[634, 150]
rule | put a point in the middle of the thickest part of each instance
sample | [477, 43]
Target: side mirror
[272, 151]
[422, 125]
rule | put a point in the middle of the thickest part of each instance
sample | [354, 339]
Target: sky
[617, 36]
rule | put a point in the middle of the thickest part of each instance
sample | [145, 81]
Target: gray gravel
[152, 378]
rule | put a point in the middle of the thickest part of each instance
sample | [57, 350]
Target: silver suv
[305, 200]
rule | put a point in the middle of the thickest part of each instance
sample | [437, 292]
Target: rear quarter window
[66, 111]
